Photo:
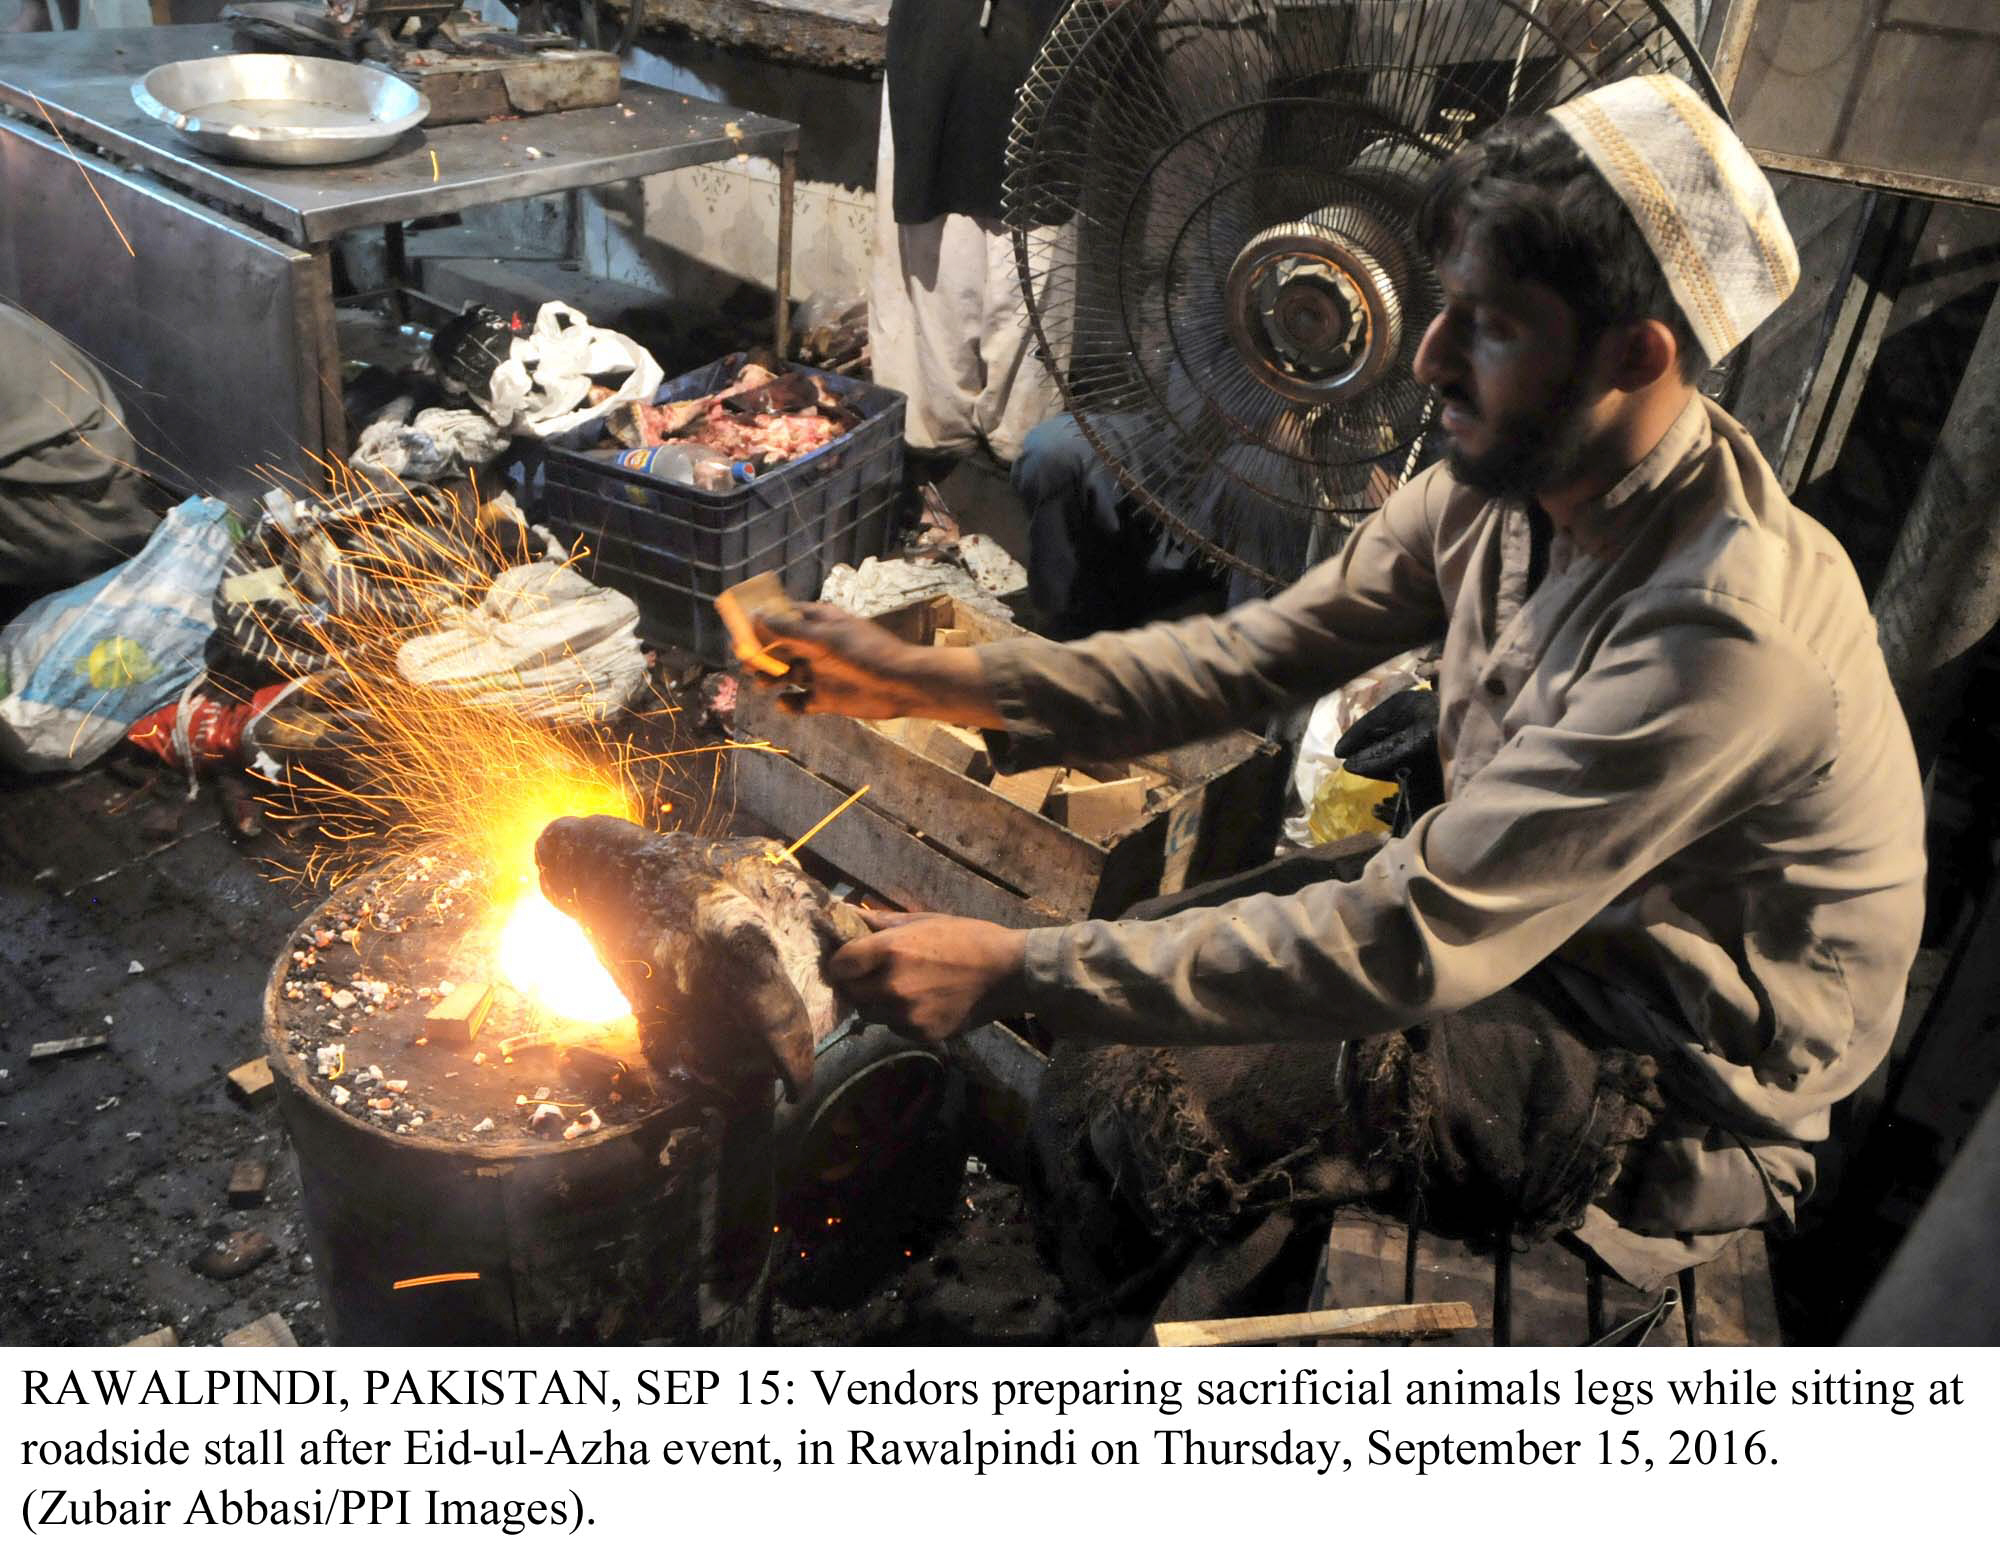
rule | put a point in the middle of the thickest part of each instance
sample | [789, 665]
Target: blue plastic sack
[80, 667]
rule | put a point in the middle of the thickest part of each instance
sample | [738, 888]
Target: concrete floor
[114, 1163]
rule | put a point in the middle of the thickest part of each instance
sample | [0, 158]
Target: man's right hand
[853, 666]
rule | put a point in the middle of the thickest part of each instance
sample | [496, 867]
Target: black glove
[1397, 742]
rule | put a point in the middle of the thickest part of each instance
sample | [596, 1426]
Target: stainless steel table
[192, 221]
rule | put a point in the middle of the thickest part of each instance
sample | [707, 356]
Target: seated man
[71, 502]
[1664, 917]
[1096, 561]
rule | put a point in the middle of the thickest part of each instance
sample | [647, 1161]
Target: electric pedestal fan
[1211, 203]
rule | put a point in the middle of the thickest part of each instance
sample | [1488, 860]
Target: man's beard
[1532, 451]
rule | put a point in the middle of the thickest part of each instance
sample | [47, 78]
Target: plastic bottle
[712, 470]
[685, 463]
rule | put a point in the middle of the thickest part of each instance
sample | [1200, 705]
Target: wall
[699, 232]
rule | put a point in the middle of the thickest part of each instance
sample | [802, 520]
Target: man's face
[1505, 359]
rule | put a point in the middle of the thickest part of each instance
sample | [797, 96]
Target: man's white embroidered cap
[1704, 207]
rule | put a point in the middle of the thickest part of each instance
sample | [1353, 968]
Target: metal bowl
[281, 108]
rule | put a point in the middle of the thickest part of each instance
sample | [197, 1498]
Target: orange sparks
[88, 183]
[411, 769]
[433, 1278]
[459, 777]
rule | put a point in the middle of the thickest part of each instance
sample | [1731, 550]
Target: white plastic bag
[545, 643]
[543, 388]
[80, 667]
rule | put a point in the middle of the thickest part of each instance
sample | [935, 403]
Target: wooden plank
[959, 750]
[1414, 1321]
[1734, 1303]
[252, 1082]
[870, 847]
[42, 1050]
[247, 1181]
[1102, 810]
[457, 1016]
[1029, 789]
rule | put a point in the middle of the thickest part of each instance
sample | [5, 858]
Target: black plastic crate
[672, 548]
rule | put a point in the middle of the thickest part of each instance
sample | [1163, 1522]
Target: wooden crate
[1548, 1294]
[929, 836]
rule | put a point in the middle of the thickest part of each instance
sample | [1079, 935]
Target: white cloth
[947, 327]
[1703, 205]
[978, 572]
[546, 644]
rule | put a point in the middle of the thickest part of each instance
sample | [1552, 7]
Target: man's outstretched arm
[1125, 693]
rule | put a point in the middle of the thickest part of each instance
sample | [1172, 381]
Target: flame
[544, 953]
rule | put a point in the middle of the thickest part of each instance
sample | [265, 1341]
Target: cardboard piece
[739, 607]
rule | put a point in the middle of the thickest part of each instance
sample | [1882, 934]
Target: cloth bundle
[544, 643]
[435, 444]
[307, 565]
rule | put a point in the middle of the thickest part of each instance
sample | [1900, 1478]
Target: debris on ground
[270, 1331]
[235, 1254]
[252, 1083]
[67, 1045]
[247, 1182]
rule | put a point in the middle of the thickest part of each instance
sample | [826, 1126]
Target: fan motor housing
[1313, 306]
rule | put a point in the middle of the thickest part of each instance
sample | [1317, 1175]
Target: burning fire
[412, 770]
[542, 950]
[544, 953]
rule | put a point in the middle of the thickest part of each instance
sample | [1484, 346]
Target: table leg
[319, 348]
[394, 271]
[781, 308]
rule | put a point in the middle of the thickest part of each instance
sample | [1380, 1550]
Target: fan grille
[1211, 203]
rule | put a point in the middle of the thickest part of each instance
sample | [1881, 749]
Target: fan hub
[1313, 312]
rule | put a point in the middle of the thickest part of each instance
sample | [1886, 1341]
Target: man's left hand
[928, 974]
